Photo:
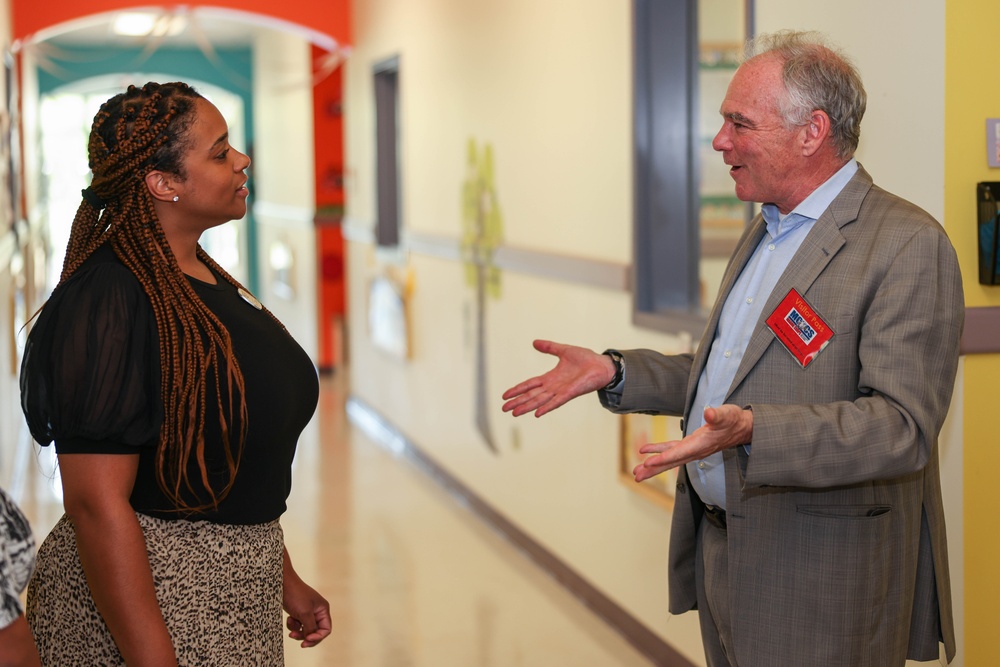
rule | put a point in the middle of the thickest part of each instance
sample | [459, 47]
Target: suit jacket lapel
[744, 250]
[817, 250]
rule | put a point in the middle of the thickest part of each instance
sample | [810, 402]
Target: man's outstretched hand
[725, 426]
[579, 371]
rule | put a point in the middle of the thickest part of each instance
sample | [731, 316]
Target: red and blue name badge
[803, 333]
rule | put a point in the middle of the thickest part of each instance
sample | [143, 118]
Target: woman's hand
[308, 611]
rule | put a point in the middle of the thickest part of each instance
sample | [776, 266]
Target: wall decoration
[482, 234]
[388, 320]
[7, 195]
[281, 262]
[637, 430]
[10, 153]
[14, 312]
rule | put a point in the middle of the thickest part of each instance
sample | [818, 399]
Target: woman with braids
[175, 401]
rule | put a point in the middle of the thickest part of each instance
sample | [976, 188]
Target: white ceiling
[221, 28]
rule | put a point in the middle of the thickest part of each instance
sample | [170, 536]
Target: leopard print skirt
[219, 588]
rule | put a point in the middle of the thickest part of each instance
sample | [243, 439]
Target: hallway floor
[413, 578]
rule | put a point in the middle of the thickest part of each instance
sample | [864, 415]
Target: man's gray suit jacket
[837, 547]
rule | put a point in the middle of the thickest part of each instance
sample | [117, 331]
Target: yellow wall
[971, 98]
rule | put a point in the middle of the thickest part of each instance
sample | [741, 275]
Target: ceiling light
[133, 24]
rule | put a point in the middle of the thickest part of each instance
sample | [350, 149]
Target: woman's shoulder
[90, 367]
[103, 266]
[102, 297]
[102, 281]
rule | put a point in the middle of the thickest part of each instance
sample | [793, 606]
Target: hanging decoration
[482, 234]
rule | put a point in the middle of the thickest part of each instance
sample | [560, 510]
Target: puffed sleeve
[90, 375]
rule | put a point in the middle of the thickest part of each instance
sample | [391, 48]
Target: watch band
[619, 362]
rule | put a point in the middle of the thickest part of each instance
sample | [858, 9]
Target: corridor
[413, 578]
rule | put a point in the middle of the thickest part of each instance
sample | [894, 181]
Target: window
[686, 217]
[387, 152]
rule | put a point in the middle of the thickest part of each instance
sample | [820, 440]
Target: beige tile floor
[413, 579]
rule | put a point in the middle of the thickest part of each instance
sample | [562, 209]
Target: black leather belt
[716, 516]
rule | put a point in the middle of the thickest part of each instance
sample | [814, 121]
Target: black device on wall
[988, 200]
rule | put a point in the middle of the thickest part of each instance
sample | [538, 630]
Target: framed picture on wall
[637, 430]
[8, 105]
[388, 315]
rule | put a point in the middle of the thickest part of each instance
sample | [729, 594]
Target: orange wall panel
[331, 18]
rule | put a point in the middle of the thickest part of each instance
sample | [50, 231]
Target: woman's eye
[222, 155]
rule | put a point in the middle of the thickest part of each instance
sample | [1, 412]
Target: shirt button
[770, 246]
[727, 354]
[701, 464]
[749, 299]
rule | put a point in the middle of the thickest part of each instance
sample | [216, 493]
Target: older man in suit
[808, 528]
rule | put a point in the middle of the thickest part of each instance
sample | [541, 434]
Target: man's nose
[721, 141]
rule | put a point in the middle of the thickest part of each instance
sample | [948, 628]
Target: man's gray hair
[816, 76]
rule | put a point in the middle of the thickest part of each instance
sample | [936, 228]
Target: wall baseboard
[644, 640]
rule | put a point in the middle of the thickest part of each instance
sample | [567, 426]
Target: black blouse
[90, 382]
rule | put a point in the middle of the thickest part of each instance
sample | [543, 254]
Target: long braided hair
[135, 132]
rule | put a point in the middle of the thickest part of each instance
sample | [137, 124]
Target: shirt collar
[813, 206]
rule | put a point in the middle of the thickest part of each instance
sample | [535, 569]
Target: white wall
[22, 286]
[899, 48]
[283, 177]
[548, 85]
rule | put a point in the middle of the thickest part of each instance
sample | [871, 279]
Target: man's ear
[160, 185]
[816, 132]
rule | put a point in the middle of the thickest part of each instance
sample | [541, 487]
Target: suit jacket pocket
[844, 511]
[836, 574]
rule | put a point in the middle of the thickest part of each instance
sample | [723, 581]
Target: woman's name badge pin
[249, 298]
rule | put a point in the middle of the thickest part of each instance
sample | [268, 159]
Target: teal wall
[230, 69]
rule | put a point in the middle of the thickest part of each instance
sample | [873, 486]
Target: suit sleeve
[908, 356]
[655, 383]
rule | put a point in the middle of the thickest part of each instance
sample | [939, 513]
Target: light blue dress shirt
[741, 313]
